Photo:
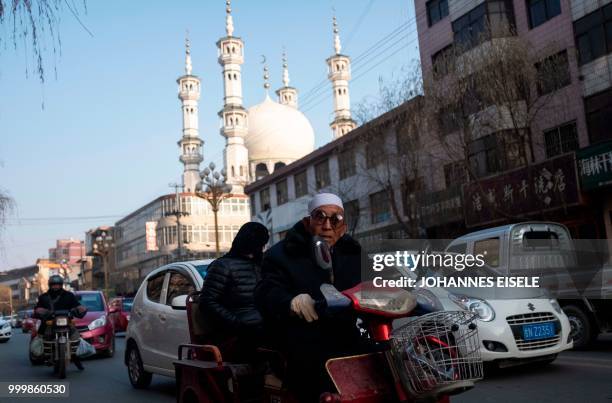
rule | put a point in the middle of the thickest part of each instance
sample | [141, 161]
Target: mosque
[259, 140]
[256, 138]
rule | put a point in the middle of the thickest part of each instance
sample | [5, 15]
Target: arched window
[241, 170]
[233, 49]
[235, 76]
[261, 170]
[279, 165]
[233, 172]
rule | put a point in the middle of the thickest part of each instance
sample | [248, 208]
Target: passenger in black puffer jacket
[227, 301]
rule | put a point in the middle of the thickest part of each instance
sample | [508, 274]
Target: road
[104, 379]
[575, 377]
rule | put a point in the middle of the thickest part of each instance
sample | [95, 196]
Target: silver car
[158, 323]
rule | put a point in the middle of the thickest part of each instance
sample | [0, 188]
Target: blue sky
[105, 142]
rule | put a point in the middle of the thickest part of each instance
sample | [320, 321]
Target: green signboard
[595, 166]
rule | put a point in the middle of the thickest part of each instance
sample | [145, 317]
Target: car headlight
[555, 305]
[480, 307]
[6, 325]
[101, 321]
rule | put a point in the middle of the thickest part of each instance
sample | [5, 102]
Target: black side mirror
[322, 253]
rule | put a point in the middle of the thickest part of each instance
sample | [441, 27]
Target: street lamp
[214, 190]
[102, 246]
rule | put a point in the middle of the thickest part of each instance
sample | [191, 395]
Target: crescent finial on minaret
[229, 22]
[188, 66]
[266, 76]
[337, 45]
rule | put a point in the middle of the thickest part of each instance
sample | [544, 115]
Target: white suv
[158, 323]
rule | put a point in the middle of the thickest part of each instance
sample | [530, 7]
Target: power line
[317, 88]
[64, 218]
[393, 47]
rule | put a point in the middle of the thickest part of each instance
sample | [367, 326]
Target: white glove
[304, 306]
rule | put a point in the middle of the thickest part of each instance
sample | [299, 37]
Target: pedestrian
[227, 301]
[290, 284]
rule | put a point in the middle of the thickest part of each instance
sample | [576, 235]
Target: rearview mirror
[179, 302]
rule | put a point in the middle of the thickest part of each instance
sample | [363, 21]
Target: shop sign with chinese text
[549, 185]
[595, 166]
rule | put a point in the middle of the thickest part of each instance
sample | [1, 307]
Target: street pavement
[104, 379]
[576, 376]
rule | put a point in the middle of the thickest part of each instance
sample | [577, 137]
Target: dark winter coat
[289, 268]
[227, 300]
[64, 300]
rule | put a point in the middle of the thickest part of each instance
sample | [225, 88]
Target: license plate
[537, 331]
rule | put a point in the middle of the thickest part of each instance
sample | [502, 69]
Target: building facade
[579, 106]
[193, 220]
[69, 251]
[567, 180]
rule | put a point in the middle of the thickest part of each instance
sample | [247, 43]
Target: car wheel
[111, 350]
[582, 330]
[139, 378]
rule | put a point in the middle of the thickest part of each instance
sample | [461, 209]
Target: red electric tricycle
[426, 358]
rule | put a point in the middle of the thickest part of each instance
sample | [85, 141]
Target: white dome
[278, 132]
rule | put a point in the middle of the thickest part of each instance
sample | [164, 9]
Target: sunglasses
[319, 217]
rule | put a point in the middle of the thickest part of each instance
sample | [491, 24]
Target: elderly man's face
[327, 222]
[56, 287]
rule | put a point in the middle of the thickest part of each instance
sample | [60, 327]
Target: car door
[180, 282]
[150, 326]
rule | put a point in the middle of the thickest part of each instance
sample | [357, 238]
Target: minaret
[233, 115]
[190, 143]
[287, 95]
[339, 74]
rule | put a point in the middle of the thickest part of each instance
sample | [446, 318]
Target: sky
[98, 139]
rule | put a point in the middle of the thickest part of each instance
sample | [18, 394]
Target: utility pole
[178, 213]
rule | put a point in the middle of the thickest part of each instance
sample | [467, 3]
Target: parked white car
[158, 323]
[515, 325]
[6, 330]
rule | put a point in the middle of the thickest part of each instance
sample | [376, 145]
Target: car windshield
[202, 269]
[93, 302]
[127, 304]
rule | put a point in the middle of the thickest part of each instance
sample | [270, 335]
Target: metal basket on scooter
[437, 353]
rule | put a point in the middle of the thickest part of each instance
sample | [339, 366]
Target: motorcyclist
[59, 299]
[291, 280]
